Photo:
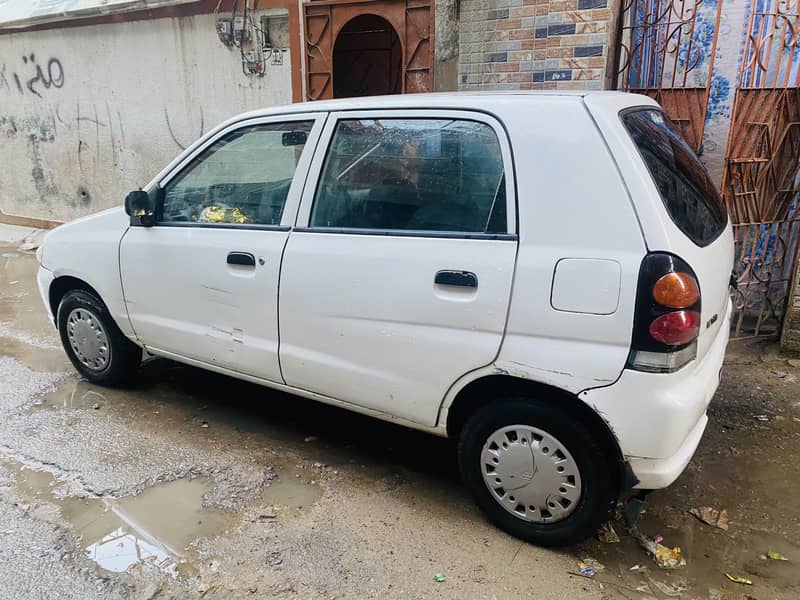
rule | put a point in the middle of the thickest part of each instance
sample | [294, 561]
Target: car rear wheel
[535, 472]
[93, 342]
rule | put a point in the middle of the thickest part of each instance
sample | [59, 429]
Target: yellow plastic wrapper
[219, 214]
[737, 579]
[669, 558]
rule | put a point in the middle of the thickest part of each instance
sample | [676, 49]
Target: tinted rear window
[691, 198]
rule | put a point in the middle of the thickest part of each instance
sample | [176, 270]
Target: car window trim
[326, 137]
[248, 226]
[317, 119]
[424, 233]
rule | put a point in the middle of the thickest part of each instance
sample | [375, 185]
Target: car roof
[478, 100]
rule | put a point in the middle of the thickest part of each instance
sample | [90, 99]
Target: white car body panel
[362, 324]
[183, 297]
[568, 178]
[88, 249]
[361, 317]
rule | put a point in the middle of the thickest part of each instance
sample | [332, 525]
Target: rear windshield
[692, 200]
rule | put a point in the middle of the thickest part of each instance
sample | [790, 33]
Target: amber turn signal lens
[676, 290]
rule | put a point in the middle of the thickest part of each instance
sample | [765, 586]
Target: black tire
[597, 471]
[124, 357]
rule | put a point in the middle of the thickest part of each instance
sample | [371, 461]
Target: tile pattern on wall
[533, 44]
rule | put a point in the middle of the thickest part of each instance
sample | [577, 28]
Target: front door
[398, 281]
[203, 282]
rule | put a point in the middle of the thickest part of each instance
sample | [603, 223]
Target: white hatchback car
[541, 276]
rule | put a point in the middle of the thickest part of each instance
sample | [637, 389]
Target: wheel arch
[66, 283]
[475, 393]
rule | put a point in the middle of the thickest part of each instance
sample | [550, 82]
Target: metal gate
[412, 20]
[662, 52]
[666, 49]
[761, 182]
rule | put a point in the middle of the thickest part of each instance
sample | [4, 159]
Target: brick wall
[534, 44]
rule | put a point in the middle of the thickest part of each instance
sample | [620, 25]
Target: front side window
[689, 195]
[242, 178]
[441, 175]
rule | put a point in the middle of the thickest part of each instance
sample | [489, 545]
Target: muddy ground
[192, 484]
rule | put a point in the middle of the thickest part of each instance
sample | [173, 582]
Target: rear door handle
[459, 278]
[244, 259]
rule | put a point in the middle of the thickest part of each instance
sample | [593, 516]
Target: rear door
[397, 278]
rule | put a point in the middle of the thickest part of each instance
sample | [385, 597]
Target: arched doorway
[367, 59]
[411, 20]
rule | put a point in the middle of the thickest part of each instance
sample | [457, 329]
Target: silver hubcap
[88, 339]
[531, 474]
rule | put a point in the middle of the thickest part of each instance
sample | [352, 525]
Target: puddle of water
[291, 492]
[75, 394]
[156, 527]
[40, 358]
[26, 332]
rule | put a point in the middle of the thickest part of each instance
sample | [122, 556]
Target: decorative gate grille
[666, 51]
[761, 182]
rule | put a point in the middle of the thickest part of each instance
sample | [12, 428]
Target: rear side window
[691, 199]
[439, 175]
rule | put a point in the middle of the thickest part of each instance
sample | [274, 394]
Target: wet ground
[191, 484]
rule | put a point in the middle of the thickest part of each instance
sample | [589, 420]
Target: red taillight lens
[676, 328]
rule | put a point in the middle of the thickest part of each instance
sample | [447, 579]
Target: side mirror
[141, 208]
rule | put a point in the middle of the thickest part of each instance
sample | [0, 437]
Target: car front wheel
[93, 342]
[535, 472]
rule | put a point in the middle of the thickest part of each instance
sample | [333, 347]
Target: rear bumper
[659, 419]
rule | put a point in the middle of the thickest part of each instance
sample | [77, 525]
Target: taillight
[676, 328]
[667, 319]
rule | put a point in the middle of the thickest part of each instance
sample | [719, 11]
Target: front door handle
[460, 278]
[244, 259]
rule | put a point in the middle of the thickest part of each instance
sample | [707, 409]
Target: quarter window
[412, 174]
[242, 178]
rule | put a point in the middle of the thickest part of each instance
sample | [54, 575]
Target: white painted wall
[132, 94]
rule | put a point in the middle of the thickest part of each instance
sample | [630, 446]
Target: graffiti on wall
[32, 76]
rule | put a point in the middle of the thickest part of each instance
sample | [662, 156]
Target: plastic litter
[310, 438]
[665, 557]
[589, 567]
[772, 555]
[761, 417]
[439, 578]
[669, 558]
[636, 567]
[737, 579]
[204, 424]
[711, 516]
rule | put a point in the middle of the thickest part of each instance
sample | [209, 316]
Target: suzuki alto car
[542, 277]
